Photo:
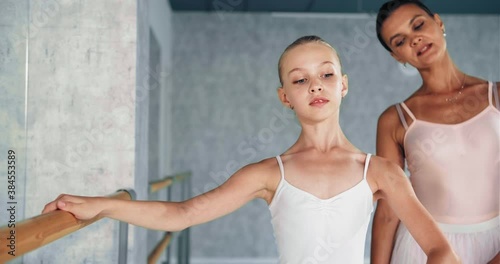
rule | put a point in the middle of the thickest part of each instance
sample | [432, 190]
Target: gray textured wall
[225, 81]
[68, 107]
[13, 25]
[80, 128]
[78, 114]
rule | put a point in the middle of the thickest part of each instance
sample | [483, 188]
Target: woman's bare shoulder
[389, 123]
[389, 116]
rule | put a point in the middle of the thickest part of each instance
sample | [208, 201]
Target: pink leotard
[454, 168]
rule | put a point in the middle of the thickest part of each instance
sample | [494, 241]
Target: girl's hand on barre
[81, 207]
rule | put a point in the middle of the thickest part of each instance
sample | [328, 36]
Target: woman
[448, 132]
[320, 191]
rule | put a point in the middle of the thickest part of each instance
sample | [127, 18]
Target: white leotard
[310, 230]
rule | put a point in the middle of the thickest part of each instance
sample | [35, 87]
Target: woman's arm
[395, 188]
[494, 102]
[248, 183]
[495, 260]
[385, 222]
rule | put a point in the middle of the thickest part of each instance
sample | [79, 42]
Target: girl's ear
[345, 85]
[282, 97]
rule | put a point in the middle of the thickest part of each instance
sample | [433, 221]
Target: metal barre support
[123, 233]
[169, 197]
[183, 236]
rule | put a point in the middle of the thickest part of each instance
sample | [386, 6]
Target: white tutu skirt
[474, 244]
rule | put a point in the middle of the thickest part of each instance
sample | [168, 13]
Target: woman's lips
[424, 49]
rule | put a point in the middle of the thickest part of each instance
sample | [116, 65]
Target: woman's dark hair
[388, 8]
[301, 41]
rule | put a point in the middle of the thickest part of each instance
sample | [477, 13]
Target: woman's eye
[299, 81]
[400, 42]
[419, 26]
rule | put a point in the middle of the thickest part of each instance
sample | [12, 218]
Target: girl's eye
[328, 75]
[299, 81]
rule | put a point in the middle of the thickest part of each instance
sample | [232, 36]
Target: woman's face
[414, 37]
[312, 80]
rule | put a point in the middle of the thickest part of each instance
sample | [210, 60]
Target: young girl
[320, 191]
[448, 132]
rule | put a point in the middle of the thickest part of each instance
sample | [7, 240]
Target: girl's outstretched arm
[395, 188]
[246, 184]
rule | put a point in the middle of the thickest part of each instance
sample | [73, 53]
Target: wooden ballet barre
[167, 181]
[160, 247]
[40, 230]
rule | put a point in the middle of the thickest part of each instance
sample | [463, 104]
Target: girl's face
[413, 36]
[312, 81]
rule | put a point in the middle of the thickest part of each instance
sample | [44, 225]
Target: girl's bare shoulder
[265, 165]
[382, 173]
[266, 171]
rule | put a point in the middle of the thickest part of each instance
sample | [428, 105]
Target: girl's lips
[424, 49]
[318, 101]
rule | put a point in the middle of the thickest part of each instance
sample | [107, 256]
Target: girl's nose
[315, 87]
